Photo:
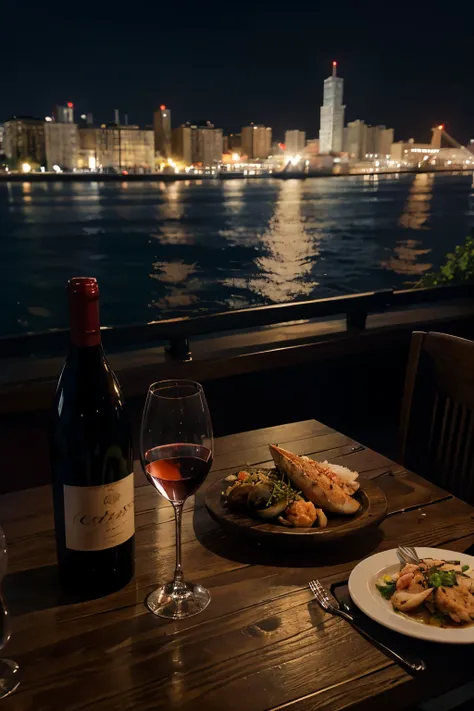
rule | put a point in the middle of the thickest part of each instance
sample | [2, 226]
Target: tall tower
[331, 130]
[162, 127]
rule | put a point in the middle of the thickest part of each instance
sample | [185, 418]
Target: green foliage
[387, 590]
[458, 267]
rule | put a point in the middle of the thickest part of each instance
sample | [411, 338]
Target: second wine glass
[176, 449]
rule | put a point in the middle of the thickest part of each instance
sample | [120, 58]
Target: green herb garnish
[441, 578]
[387, 590]
[464, 568]
[282, 489]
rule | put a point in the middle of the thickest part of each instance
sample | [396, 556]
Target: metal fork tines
[327, 602]
[408, 554]
[322, 597]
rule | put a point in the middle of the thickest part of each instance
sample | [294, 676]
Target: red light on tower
[70, 105]
[441, 127]
[163, 107]
[334, 64]
[334, 69]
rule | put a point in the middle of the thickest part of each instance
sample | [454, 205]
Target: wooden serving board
[372, 511]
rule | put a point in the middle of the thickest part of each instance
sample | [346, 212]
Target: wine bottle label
[99, 517]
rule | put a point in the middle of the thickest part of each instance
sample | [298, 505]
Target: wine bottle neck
[85, 325]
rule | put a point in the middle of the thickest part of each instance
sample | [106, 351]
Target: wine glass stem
[178, 571]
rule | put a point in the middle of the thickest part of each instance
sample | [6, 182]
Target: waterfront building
[198, 143]
[312, 147]
[379, 142]
[2, 131]
[182, 143]
[331, 132]
[162, 129]
[64, 114]
[61, 145]
[209, 145]
[363, 142]
[355, 139]
[256, 141]
[117, 148]
[411, 153]
[24, 141]
[295, 142]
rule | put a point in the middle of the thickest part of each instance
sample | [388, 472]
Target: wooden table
[261, 644]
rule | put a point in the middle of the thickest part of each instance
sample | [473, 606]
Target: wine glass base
[174, 603]
[9, 677]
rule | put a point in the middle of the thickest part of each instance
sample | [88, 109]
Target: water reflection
[417, 207]
[415, 216]
[182, 290]
[164, 249]
[285, 265]
[405, 259]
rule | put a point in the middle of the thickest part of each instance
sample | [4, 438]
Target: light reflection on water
[162, 249]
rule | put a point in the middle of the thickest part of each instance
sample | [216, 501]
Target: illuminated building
[363, 142]
[295, 142]
[411, 153]
[64, 114]
[355, 139]
[379, 141]
[209, 144]
[162, 128]
[182, 143]
[312, 147]
[2, 131]
[117, 148]
[331, 130]
[24, 141]
[197, 143]
[61, 145]
[256, 141]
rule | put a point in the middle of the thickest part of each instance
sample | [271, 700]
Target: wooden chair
[437, 415]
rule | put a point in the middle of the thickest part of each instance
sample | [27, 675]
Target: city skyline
[236, 67]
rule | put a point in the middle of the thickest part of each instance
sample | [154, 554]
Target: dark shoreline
[168, 178]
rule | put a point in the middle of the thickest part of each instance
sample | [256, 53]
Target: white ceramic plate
[366, 596]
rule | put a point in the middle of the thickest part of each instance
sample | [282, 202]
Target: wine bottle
[91, 458]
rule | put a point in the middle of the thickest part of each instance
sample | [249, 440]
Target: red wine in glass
[176, 451]
[178, 470]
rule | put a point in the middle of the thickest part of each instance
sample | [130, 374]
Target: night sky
[405, 66]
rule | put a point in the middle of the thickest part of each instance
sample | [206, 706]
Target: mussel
[238, 497]
[258, 499]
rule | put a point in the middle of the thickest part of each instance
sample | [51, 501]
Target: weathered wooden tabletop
[262, 643]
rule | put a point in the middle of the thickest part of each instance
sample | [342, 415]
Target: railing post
[356, 320]
[178, 349]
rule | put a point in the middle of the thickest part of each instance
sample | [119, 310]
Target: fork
[408, 554]
[329, 604]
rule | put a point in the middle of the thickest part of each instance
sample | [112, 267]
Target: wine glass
[9, 670]
[176, 450]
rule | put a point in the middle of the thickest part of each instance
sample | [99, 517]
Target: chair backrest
[437, 415]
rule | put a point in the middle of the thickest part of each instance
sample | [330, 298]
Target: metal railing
[176, 332]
